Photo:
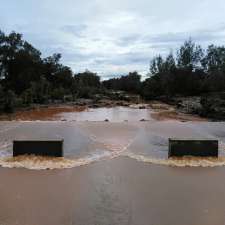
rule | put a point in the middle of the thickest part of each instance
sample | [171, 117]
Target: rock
[106, 120]
[95, 106]
[138, 106]
[143, 120]
[190, 105]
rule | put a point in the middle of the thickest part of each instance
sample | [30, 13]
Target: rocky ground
[213, 106]
[53, 111]
[164, 111]
[209, 105]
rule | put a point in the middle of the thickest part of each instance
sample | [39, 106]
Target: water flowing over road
[87, 142]
[113, 173]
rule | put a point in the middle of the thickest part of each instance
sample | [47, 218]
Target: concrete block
[52, 148]
[201, 148]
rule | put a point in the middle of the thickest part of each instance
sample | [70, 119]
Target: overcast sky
[113, 37]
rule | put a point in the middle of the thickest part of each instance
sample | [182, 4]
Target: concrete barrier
[52, 148]
[201, 148]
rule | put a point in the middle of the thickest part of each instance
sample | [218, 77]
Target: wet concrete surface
[114, 189]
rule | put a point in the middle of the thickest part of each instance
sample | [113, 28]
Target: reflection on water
[114, 114]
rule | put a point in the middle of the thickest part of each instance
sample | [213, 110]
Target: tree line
[26, 77]
[192, 71]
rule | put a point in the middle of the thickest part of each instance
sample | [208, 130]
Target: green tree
[40, 91]
[214, 59]
[9, 101]
[189, 55]
[157, 65]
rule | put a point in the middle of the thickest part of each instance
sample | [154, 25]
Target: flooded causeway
[87, 142]
[113, 173]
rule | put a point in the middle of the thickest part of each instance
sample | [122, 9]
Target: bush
[9, 101]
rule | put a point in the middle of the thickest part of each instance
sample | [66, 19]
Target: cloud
[200, 35]
[128, 40]
[76, 30]
[113, 37]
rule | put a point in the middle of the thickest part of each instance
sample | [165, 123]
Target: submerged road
[105, 185]
[95, 140]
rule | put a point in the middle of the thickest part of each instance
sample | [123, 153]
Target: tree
[157, 65]
[169, 64]
[20, 62]
[9, 101]
[40, 91]
[214, 60]
[130, 83]
[189, 55]
[87, 79]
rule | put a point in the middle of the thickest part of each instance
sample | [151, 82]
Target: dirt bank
[45, 113]
[163, 111]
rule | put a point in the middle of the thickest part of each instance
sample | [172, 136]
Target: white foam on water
[5, 145]
[5, 153]
[5, 149]
[118, 148]
[180, 162]
[42, 162]
[37, 162]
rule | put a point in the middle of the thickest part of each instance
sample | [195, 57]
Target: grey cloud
[113, 37]
[128, 40]
[200, 35]
[76, 30]
[135, 57]
[124, 59]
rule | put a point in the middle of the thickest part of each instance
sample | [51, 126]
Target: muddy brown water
[113, 192]
[114, 173]
[96, 140]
